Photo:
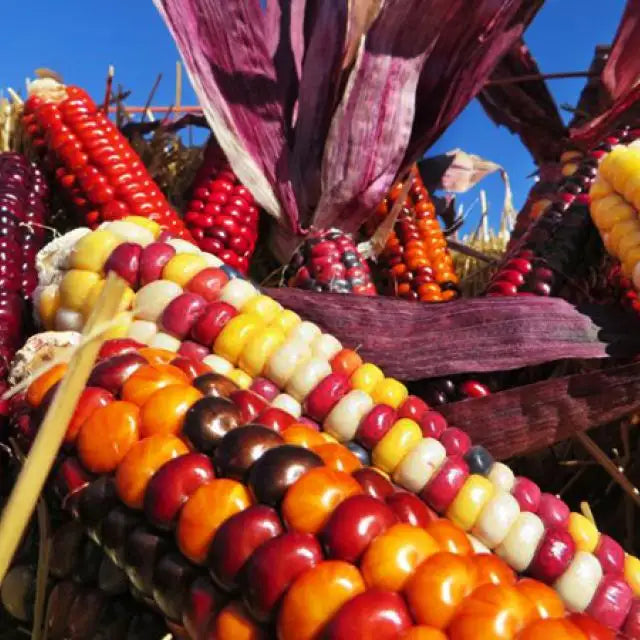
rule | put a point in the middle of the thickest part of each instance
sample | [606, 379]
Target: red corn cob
[222, 215]
[94, 164]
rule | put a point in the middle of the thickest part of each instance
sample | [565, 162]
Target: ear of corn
[23, 201]
[615, 197]
[416, 263]
[329, 261]
[93, 163]
[294, 372]
[222, 215]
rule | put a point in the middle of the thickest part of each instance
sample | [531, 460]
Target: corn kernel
[285, 359]
[390, 392]
[182, 267]
[631, 191]
[610, 211]
[242, 379]
[92, 250]
[286, 320]
[621, 230]
[48, 303]
[471, 499]
[68, 320]
[259, 348]
[75, 286]
[286, 403]
[165, 341]
[611, 163]
[145, 223]
[403, 436]
[306, 377]
[264, 306]
[235, 335]
[182, 246]
[628, 169]
[142, 331]
[238, 293]
[632, 573]
[152, 299]
[306, 331]
[129, 232]
[218, 364]
[584, 532]
[627, 244]
[366, 377]
[600, 189]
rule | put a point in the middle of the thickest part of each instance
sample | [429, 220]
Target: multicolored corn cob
[416, 262]
[23, 195]
[93, 163]
[222, 215]
[329, 261]
[615, 198]
[286, 367]
[285, 519]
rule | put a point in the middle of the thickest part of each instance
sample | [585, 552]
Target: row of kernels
[391, 440]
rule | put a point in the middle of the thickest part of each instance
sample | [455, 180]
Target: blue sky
[80, 42]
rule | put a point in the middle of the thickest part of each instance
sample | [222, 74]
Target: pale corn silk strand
[34, 472]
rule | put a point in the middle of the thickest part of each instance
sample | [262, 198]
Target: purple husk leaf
[474, 40]
[528, 418]
[225, 52]
[317, 100]
[412, 341]
[620, 77]
[525, 108]
[372, 124]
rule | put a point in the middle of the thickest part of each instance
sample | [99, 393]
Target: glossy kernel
[315, 597]
[392, 557]
[259, 348]
[143, 459]
[366, 377]
[632, 573]
[308, 504]
[438, 586]
[584, 532]
[148, 379]
[203, 513]
[182, 267]
[390, 392]
[108, 434]
[403, 436]
[164, 410]
[468, 504]
[41, 385]
[234, 336]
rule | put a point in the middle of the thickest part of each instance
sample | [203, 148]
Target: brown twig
[107, 91]
[472, 253]
[152, 93]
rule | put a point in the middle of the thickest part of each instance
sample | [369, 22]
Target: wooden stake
[37, 466]
[178, 99]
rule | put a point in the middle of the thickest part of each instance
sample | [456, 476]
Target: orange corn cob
[96, 168]
[416, 259]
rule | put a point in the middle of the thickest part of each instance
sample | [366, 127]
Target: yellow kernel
[264, 306]
[286, 320]
[600, 189]
[584, 532]
[632, 190]
[627, 244]
[259, 348]
[609, 211]
[632, 573]
[390, 392]
[145, 223]
[242, 379]
[75, 286]
[182, 267]
[628, 168]
[569, 169]
[366, 377]
[92, 250]
[630, 261]
[396, 443]
[611, 163]
[471, 499]
[621, 230]
[48, 303]
[235, 335]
